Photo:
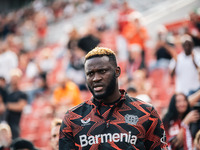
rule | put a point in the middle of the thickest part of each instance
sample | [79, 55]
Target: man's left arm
[155, 136]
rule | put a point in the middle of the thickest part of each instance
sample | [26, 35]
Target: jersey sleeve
[155, 135]
[66, 140]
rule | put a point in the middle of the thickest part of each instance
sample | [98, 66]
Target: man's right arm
[66, 139]
[172, 67]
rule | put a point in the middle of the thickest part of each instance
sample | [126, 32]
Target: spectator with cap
[185, 67]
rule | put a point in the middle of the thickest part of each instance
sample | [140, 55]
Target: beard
[108, 91]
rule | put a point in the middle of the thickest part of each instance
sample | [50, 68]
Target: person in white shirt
[8, 61]
[185, 67]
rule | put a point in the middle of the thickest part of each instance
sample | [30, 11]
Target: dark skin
[101, 74]
[187, 46]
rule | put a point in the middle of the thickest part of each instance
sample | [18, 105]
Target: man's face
[100, 75]
[55, 137]
[188, 46]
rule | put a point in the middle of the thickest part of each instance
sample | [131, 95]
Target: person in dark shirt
[3, 95]
[15, 103]
[111, 119]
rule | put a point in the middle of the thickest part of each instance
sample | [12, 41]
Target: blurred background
[43, 44]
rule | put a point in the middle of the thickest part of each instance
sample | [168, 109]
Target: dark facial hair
[109, 90]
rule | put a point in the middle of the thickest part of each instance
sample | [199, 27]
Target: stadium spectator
[55, 128]
[177, 122]
[135, 60]
[136, 33]
[185, 67]
[123, 16]
[66, 93]
[5, 136]
[73, 39]
[162, 51]
[15, 103]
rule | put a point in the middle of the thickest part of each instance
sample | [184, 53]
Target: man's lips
[99, 88]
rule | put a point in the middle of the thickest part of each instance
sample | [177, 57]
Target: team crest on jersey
[131, 119]
[85, 122]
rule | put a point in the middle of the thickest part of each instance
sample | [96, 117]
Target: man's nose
[97, 77]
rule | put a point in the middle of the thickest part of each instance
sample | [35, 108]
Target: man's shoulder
[86, 105]
[139, 103]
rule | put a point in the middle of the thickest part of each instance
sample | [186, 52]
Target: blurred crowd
[40, 81]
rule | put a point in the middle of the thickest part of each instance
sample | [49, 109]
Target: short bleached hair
[5, 126]
[101, 51]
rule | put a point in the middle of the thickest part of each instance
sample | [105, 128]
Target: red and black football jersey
[127, 124]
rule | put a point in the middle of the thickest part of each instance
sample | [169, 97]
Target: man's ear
[117, 72]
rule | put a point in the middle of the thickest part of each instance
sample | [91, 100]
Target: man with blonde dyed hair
[111, 119]
[5, 136]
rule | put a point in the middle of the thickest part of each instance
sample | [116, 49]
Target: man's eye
[103, 71]
[54, 135]
[90, 73]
